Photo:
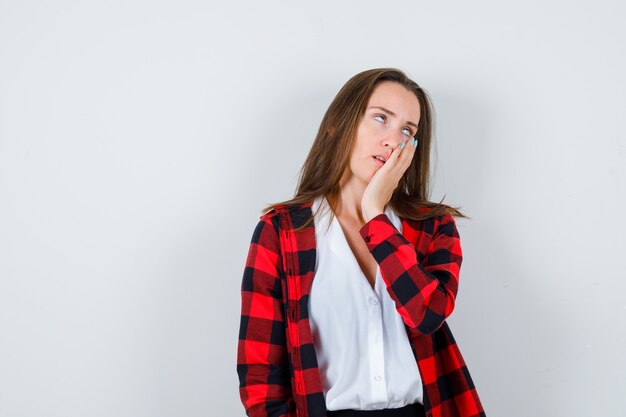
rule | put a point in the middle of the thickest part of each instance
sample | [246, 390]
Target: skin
[365, 188]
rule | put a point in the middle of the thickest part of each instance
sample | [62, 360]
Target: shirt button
[378, 378]
[367, 239]
[373, 301]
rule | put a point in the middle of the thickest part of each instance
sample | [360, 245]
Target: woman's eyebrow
[391, 113]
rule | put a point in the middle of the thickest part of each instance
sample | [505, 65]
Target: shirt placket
[376, 352]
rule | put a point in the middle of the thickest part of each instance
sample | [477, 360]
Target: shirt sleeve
[262, 358]
[424, 292]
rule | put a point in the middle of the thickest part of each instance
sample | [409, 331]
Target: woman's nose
[395, 139]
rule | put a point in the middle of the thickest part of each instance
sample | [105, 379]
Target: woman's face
[391, 117]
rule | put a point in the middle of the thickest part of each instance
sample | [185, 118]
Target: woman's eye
[406, 129]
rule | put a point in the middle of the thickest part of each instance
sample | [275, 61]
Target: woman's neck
[349, 204]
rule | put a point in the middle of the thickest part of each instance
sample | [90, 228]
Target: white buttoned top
[362, 348]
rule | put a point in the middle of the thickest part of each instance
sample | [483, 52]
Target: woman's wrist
[369, 214]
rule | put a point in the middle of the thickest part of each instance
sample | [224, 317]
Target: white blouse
[362, 347]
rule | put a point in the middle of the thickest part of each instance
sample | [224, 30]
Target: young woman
[348, 285]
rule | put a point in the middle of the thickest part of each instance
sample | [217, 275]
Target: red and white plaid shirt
[276, 362]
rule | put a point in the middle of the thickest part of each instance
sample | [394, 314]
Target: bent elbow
[432, 319]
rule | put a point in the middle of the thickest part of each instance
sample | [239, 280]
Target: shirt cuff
[377, 230]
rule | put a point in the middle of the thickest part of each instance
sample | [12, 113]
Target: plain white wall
[140, 139]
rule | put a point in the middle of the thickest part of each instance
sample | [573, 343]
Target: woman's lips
[379, 163]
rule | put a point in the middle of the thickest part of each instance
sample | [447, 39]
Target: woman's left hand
[384, 181]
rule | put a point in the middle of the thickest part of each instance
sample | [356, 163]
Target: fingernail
[402, 145]
[414, 141]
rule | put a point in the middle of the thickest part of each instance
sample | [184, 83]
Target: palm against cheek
[384, 181]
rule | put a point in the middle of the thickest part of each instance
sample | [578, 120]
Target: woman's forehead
[393, 99]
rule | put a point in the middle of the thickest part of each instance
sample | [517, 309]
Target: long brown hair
[329, 155]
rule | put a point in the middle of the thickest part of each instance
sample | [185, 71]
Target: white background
[139, 141]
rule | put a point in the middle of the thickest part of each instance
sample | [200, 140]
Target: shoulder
[291, 210]
[269, 215]
[446, 224]
[433, 225]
